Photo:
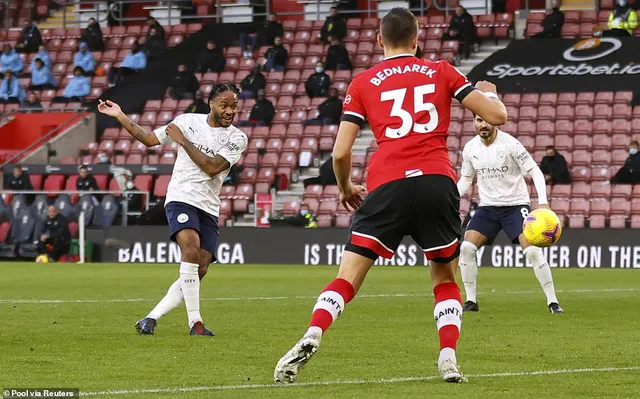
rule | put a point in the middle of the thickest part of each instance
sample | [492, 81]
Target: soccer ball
[42, 259]
[542, 228]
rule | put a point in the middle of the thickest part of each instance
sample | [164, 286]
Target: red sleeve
[353, 107]
[459, 85]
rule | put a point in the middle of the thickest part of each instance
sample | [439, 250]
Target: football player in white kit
[209, 146]
[500, 163]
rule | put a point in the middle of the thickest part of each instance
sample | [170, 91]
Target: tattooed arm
[112, 109]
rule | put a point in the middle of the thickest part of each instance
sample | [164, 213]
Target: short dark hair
[550, 147]
[635, 142]
[83, 167]
[220, 88]
[398, 27]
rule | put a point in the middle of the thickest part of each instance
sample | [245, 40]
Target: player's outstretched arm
[485, 102]
[540, 184]
[350, 195]
[113, 110]
[209, 165]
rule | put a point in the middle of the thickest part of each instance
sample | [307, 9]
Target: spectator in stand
[183, 85]
[262, 112]
[152, 23]
[10, 90]
[307, 218]
[198, 106]
[30, 39]
[330, 111]
[32, 102]
[554, 167]
[43, 54]
[252, 83]
[337, 56]
[55, 240]
[134, 62]
[276, 56]
[623, 20]
[326, 177]
[317, 85]
[463, 30]
[84, 59]
[92, 35]
[103, 158]
[132, 195]
[10, 60]
[20, 180]
[41, 76]
[210, 59]
[630, 172]
[155, 43]
[334, 26]
[78, 87]
[85, 181]
[265, 35]
[552, 22]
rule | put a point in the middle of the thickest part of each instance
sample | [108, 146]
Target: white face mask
[130, 185]
[633, 151]
[104, 159]
[319, 69]
[304, 212]
[622, 3]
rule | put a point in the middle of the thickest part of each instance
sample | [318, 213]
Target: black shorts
[489, 220]
[427, 208]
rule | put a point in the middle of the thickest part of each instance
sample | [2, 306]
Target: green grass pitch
[67, 325]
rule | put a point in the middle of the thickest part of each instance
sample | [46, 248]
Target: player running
[500, 162]
[209, 146]
[411, 182]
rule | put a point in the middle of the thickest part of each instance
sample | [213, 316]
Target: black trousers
[53, 247]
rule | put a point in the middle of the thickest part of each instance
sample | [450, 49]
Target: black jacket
[270, 30]
[93, 37]
[198, 107]
[253, 82]
[210, 61]
[57, 228]
[552, 23]
[463, 25]
[332, 109]
[317, 85]
[159, 30]
[337, 54]
[185, 82]
[262, 110]
[87, 184]
[31, 39]
[20, 183]
[334, 27]
[279, 55]
[556, 167]
[154, 46]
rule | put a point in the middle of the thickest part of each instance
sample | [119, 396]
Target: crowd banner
[579, 248]
[555, 65]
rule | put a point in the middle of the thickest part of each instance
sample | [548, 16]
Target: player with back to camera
[500, 163]
[209, 146]
[411, 183]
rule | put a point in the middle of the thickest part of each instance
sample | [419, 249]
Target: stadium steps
[57, 20]
[488, 47]
[578, 5]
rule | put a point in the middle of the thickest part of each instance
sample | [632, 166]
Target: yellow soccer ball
[542, 228]
[42, 259]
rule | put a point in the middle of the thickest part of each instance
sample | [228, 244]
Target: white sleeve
[521, 156]
[540, 184]
[467, 167]
[463, 185]
[161, 134]
[235, 147]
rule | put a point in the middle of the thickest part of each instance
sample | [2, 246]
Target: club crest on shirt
[347, 99]
[501, 156]
[223, 139]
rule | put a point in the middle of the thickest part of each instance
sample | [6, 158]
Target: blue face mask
[633, 151]
[622, 3]
[304, 212]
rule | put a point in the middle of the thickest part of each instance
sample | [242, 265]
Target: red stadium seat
[587, 98]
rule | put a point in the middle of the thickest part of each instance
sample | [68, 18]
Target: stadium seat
[597, 221]
[160, 186]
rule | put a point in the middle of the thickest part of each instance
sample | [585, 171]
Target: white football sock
[469, 270]
[447, 353]
[171, 300]
[190, 284]
[542, 271]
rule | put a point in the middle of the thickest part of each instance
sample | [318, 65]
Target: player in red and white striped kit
[411, 182]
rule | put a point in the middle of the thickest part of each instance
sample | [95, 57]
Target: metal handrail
[44, 139]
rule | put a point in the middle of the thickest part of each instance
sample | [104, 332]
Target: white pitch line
[352, 382]
[280, 298]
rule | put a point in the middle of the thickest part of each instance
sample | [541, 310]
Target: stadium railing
[117, 15]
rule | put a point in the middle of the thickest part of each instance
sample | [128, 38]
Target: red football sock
[331, 303]
[448, 314]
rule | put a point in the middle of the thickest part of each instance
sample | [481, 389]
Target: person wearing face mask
[210, 59]
[262, 112]
[103, 158]
[317, 85]
[276, 56]
[252, 83]
[198, 106]
[132, 196]
[554, 167]
[629, 173]
[623, 20]
[330, 111]
[552, 22]
[305, 218]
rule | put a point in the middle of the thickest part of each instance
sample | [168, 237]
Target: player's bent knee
[190, 253]
[468, 251]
